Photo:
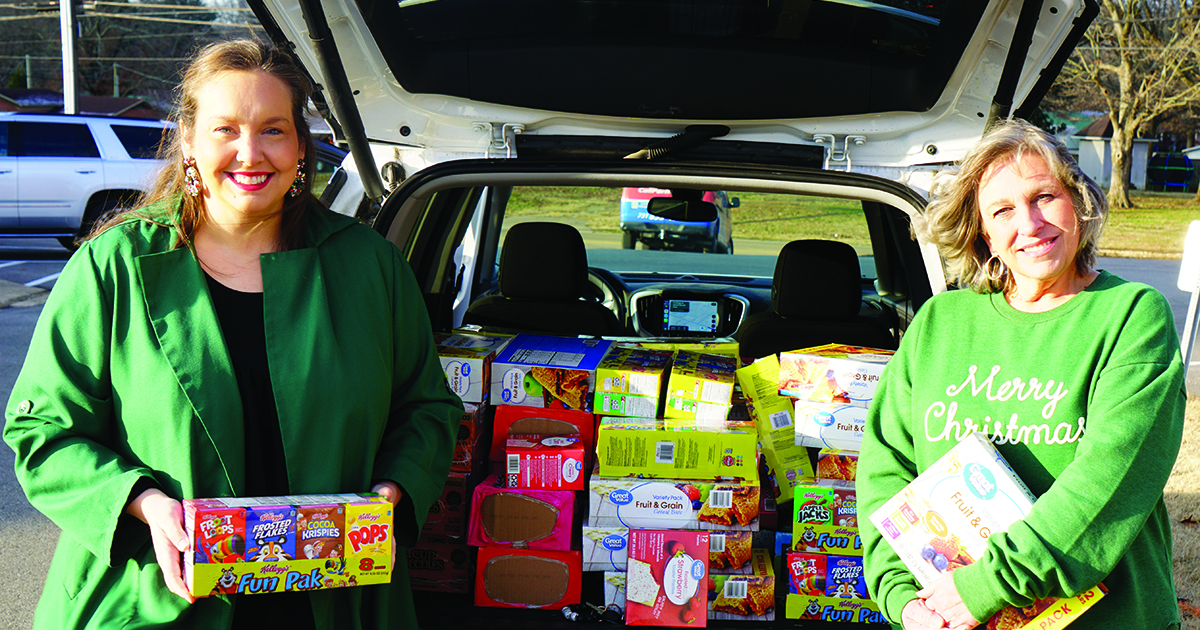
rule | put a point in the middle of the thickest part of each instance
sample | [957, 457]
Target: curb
[13, 294]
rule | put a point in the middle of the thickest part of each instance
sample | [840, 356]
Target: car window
[759, 225]
[3, 139]
[58, 140]
[323, 170]
[139, 142]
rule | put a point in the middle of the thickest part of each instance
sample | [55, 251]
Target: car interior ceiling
[440, 227]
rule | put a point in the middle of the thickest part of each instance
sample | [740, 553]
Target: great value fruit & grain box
[629, 382]
[942, 520]
[250, 545]
[832, 373]
[830, 425]
[666, 578]
[699, 389]
[544, 371]
[607, 548]
[773, 420]
[672, 504]
[539, 462]
[749, 597]
[647, 447]
[467, 361]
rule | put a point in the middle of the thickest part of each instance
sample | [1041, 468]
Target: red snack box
[517, 420]
[666, 578]
[533, 519]
[520, 578]
[806, 573]
[441, 564]
[540, 462]
[469, 446]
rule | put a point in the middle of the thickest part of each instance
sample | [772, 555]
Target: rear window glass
[139, 142]
[3, 139]
[789, 59]
[58, 140]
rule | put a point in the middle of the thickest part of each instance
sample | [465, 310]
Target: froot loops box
[257, 545]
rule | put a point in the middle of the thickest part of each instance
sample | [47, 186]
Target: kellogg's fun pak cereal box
[290, 543]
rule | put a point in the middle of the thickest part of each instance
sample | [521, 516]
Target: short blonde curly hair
[952, 219]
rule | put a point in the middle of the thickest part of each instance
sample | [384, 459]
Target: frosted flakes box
[749, 597]
[699, 389]
[844, 577]
[672, 504]
[773, 416]
[942, 519]
[666, 578]
[830, 425]
[467, 361]
[648, 448]
[832, 373]
[545, 371]
[267, 529]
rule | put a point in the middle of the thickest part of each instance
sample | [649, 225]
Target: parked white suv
[59, 173]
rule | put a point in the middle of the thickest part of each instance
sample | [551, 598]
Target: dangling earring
[191, 177]
[995, 268]
[298, 183]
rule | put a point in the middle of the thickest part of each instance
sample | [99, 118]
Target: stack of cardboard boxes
[654, 463]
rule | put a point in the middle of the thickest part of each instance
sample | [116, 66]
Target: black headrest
[817, 280]
[543, 261]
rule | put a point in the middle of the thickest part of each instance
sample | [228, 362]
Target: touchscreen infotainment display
[690, 316]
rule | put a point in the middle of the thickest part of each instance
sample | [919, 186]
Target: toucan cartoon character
[228, 549]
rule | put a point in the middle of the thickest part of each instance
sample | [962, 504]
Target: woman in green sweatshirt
[1073, 373]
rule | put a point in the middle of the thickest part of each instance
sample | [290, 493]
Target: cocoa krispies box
[289, 543]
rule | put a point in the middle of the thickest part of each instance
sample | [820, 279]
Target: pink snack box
[512, 517]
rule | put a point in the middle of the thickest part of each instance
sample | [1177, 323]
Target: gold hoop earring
[995, 269]
[298, 182]
[191, 177]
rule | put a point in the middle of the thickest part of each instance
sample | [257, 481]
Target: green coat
[128, 376]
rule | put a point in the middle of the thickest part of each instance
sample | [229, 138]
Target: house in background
[32, 101]
[1095, 154]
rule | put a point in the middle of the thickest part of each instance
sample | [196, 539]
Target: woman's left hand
[942, 597]
[391, 492]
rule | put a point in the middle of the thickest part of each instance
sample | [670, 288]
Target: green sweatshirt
[1086, 402]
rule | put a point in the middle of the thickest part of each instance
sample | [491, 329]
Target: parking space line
[15, 262]
[34, 283]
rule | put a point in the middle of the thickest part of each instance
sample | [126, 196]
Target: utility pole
[66, 21]
[28, 72]
[116, 82]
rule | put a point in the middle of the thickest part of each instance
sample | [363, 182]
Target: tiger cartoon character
[847, 588]
[226, 584]
[812, 611]
[270, 550]
[809, 540]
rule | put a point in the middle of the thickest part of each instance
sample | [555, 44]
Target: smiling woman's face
[245, 145]
[1029, 222]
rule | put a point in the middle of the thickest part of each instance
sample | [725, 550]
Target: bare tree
[1142, 58]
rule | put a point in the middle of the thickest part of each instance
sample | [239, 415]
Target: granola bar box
[699, 389]
[672, 504]
[545, 371]
[647, 447]
[774, 419]
[748, 597]
[832, 373]
[466, 359]
[942, 519]
[666, 578]
[629, 382]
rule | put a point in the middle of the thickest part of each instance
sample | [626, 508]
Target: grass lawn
[1154, 229]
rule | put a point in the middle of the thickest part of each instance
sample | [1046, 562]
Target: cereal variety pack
[289, 543]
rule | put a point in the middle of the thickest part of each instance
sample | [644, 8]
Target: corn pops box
[273, 531]
[941, 521]
[832, 373]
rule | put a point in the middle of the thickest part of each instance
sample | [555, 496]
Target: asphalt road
[27, 538]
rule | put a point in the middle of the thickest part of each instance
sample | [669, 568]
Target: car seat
[543, 283]
[816, 298]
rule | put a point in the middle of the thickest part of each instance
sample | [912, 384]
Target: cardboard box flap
[526, 580]
[516, 518]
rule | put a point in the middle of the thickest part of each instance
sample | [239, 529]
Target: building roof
[51, 102]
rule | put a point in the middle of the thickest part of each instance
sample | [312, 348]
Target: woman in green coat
[230, 338]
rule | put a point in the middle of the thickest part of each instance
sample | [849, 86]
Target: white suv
[59, 173]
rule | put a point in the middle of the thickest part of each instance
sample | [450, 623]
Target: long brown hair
[206, 63]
